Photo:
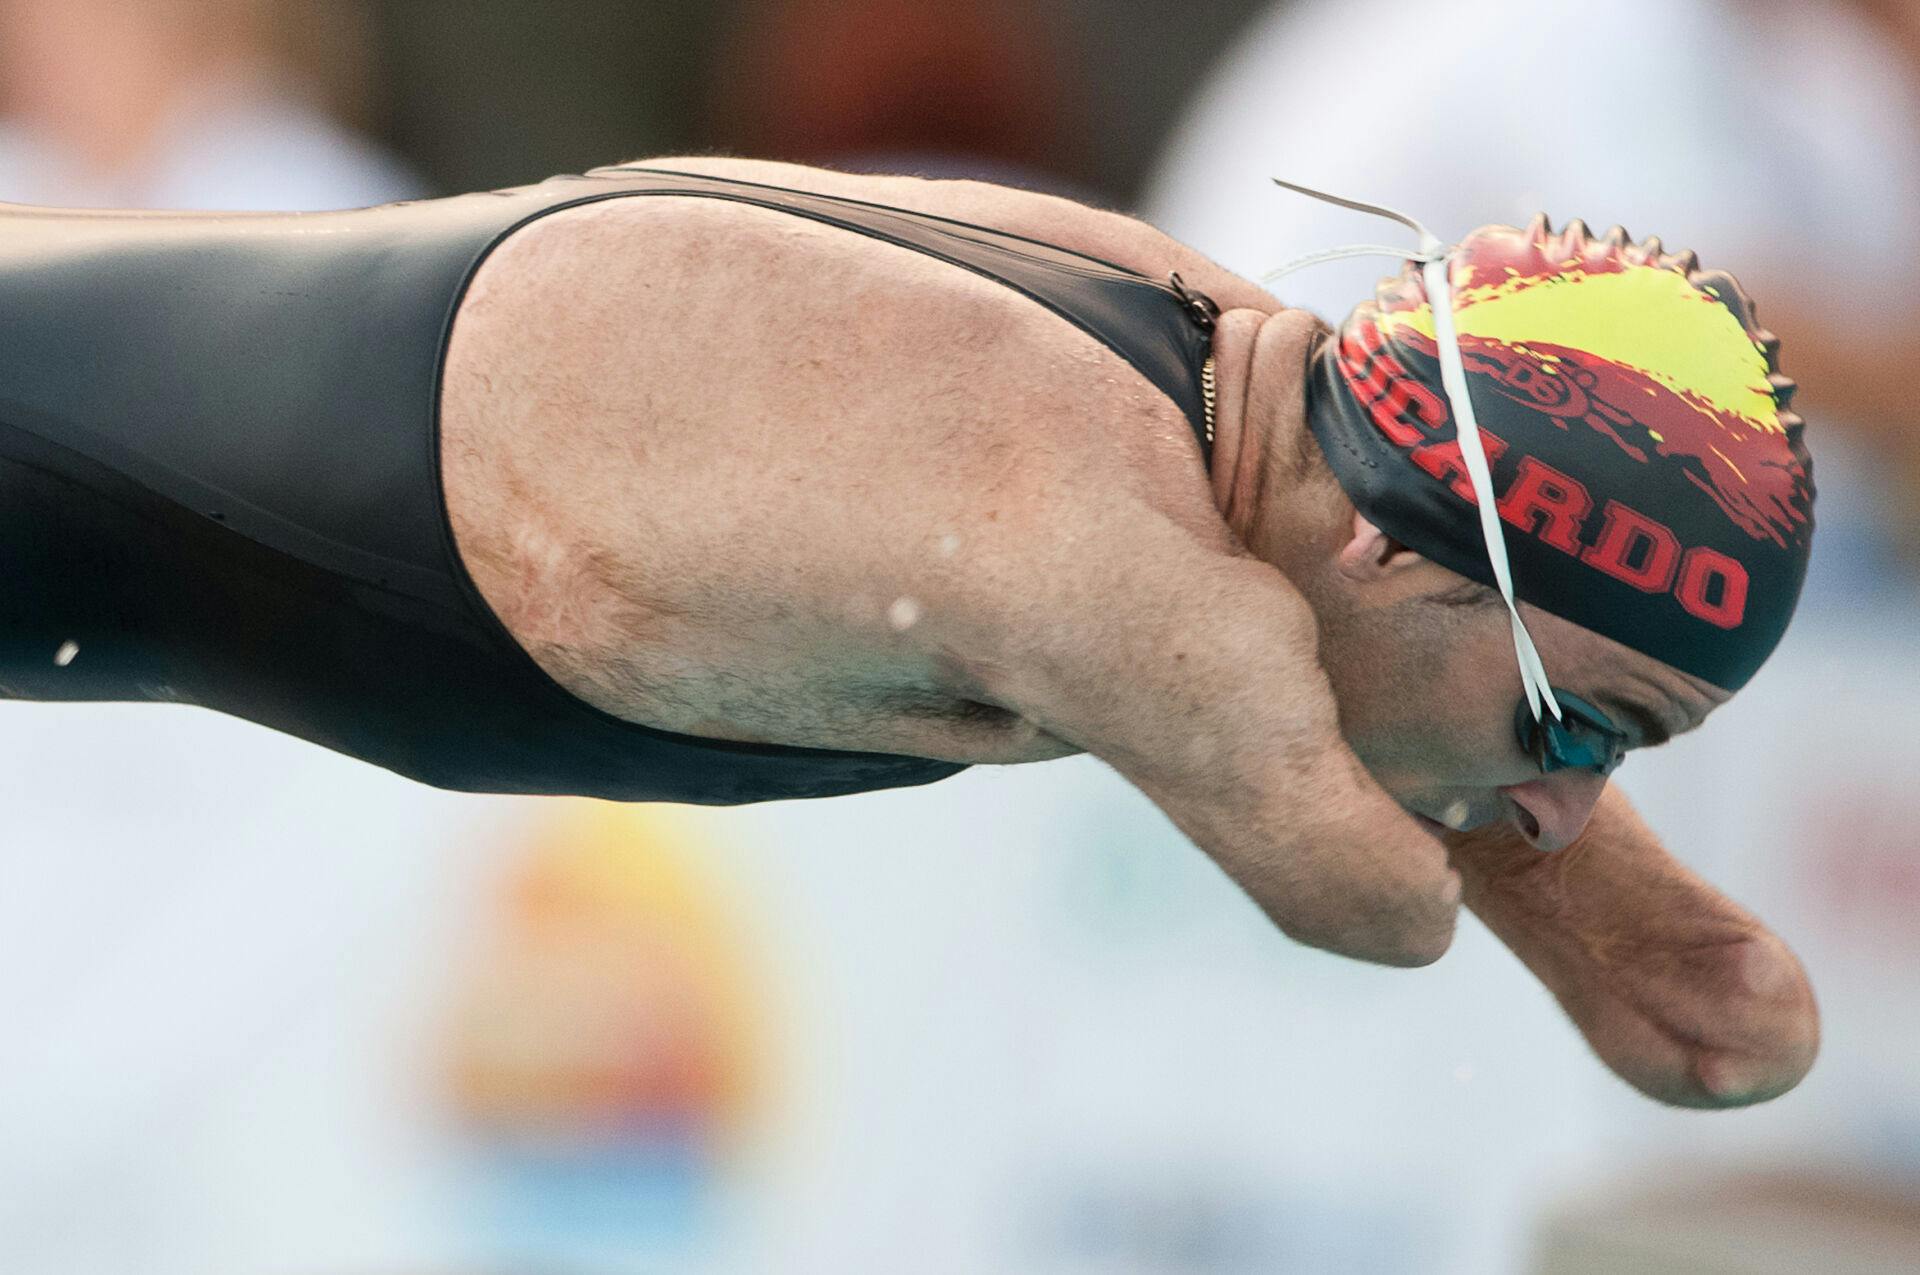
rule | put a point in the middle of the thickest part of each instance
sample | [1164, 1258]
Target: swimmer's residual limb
[219, 479]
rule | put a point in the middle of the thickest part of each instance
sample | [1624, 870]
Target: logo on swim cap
[1639, 428]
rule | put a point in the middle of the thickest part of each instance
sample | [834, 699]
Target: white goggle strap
[1434, 258]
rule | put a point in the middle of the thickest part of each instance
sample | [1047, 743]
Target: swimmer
[719, 481]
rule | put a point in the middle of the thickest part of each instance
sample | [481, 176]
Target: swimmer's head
[1654, 491]
[1649, 473]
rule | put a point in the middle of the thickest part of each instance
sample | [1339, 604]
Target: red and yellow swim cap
[1652, 482]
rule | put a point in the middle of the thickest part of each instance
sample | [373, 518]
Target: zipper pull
[1200, 307]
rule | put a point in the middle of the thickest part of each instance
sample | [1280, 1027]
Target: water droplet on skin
[949, 545]
[64, 656]
[903, 614]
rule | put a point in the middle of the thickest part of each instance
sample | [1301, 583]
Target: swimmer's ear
[1371, 554]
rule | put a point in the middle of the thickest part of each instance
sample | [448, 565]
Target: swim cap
[1651, 480]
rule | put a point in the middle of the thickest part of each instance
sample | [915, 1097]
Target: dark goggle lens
[1583, 737]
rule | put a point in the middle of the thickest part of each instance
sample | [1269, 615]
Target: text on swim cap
[1549, 505]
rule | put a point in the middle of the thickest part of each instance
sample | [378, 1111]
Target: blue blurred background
[264, 1009]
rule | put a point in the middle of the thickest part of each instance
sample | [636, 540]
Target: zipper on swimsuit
[1201, 308]
[1207, 389]
[1205, 313]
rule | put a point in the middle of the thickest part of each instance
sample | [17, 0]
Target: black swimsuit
[219, 480]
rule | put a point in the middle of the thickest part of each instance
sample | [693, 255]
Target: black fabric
[219, 478]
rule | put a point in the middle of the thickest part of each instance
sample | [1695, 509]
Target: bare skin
[732, 473]
[1680, 991]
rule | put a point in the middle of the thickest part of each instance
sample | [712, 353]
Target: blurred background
[264, 1009]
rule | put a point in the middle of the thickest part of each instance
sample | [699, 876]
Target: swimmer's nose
[1551, 812]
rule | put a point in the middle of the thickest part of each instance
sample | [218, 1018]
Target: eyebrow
[1653, 732]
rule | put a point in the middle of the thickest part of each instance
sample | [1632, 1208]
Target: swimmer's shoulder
[1097, 232]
